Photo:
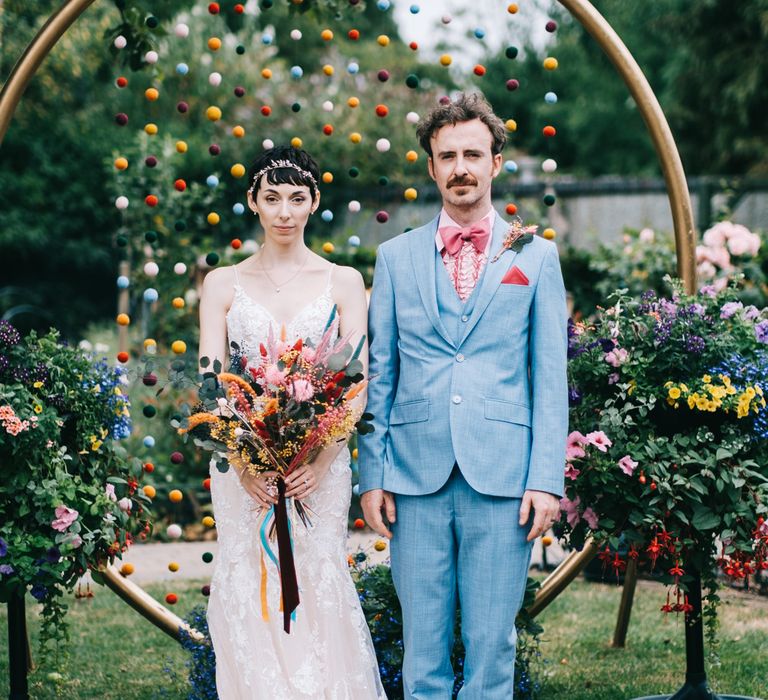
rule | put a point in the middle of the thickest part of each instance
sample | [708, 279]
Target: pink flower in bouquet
[616, 357]
[274, 375]
[571, 472]
[109, 490]
[571, 510]
[591, 517]
[301, 390]
[64, 518]
[599, 439]
[308, 353]
[574, 447]
[628, 465]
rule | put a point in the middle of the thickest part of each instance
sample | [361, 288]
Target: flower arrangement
[670, 439]
[276, 412]
[725, 247]
[69, 500]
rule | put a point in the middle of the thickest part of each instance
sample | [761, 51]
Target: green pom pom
[152, 22]
[150, 236]
[149, 411]
[180, 225]
[122, 241]
[383, 180]
[412, 81]
[212, 259]
[207, 557]
[549, 199]
[354, 172]
[511, 52]
[240, 49]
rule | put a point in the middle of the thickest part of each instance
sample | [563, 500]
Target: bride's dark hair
[284, 165]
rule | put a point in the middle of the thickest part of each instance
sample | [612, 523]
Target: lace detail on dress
[329, 654]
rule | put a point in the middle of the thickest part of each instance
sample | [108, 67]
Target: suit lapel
[423, 262]
[494, 273]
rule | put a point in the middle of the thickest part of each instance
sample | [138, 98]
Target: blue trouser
[459, 541]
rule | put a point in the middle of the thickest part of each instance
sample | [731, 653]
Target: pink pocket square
[515, 276]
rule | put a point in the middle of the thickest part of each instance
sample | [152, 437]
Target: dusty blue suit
[470, 406]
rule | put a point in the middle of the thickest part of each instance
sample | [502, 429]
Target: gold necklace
[293, 276]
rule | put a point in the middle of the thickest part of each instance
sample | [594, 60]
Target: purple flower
[708, 290]
[9, 336]
[751, 312]
[607, 344]
[761, 331]
[52, 555]
[667, 307]
[39, 592]
[695, 344]
[3, 547]
[696, 309]
[6, 569]
[574, 396]
[730, 308]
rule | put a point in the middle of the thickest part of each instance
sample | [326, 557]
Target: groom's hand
[546, 509]
[373, 503]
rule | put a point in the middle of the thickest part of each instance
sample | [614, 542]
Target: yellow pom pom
[149, 343]
[410, 194]
[127, 569]
[214, 43]
[121, 163]
[149, 491]
[355, 453]
[383, 40]
[123, 319]
[179, 347]
[549, 233]
[296, 142]
[151, 94]
[173, 566]
[208, 521]
[411, 156]
[353, 102]
[550, 63]
[175, 495]
[511, 125]
[380, 545]
[238, 132]
[237, 170]
[178, 302]
[327, 178]
[328, 69]
[546, 540]
[355, 137]
[213, 113]
[328, 247]
[326, 35]
[181, 146]
[446, 60]
[512, 8]
[150, 129]
[213, 218]
[266, 74]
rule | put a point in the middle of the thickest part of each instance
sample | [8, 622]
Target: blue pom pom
[150, 295]
[414, 9]
[297, 72]
[383, 5]
[510, 166]
[123, 282]
[479, 33]
[353, 68]
[354, 241]
[212, 181]
[327, 215]
[149, 441]
[550, 98]
[182, 68]
[266, 39]
[238, 208]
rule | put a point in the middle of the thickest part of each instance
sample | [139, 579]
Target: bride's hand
[305, 479]
[261, 488]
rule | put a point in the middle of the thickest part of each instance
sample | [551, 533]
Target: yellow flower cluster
[716, 394]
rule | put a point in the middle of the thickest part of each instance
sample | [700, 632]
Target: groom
[469, 394]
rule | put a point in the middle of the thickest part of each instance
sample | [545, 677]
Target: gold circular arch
[666, 150]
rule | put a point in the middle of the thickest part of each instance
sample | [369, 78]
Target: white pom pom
[181, 30]
[383, 145]
[180, 268]
[215, 79]
[266, 144]
[122, 202]
[151, 269]
[354, 206]
[412, 118]
[120, 42]
[151, 57]
[173, 531]
[549, 165]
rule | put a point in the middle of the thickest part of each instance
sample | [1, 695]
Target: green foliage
[69, 499]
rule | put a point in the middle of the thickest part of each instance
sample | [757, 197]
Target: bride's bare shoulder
[218, 285]
[347, 279]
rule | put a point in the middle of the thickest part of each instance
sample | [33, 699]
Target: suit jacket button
[459, 358]
[456, 399]
[465, 318]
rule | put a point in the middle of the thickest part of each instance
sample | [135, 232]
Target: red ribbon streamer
[288, 581]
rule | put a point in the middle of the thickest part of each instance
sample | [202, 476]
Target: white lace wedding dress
[328, 654]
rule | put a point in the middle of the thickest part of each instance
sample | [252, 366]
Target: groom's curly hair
[464, 108]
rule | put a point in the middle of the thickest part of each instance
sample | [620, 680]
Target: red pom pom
[479, 70]
[151, 200]
[214, 8]
[236, 243]
[121, 82]
[207, 484]
[266, 110]
[122, 357]
[239, 9]
[327, 129]
[180, 185]
[382, 110]
[549, 131]
[511, 209]
[413, 46]
[171, 599]
[354, 34]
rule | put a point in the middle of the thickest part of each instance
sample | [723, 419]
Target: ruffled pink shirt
[465, 267]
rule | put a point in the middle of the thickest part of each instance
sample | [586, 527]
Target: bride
[328, 654]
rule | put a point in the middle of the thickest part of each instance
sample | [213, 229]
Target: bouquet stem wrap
[288, 582]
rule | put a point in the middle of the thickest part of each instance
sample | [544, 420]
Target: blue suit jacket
[494, 400]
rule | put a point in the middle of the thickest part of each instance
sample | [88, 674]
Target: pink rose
[301, 390]
[64, 518]
[591, 517]
[574, 447]
[716, 236]
[599, 439]
[628, 465]
[743, 242]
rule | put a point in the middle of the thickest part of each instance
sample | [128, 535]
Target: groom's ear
[430, 167]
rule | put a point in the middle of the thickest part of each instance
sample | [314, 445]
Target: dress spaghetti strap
[237, 279]
[329, 286]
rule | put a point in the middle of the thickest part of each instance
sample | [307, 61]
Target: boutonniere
[517, 236]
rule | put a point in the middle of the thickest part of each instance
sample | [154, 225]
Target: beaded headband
[275, 165]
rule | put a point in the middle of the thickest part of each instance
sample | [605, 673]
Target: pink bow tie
[454, 236]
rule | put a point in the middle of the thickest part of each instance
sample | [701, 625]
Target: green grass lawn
[116, 654]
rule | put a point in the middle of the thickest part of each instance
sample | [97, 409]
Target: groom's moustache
[461, 182]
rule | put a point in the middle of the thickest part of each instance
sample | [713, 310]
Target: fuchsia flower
[301, 390]
[599, 439]
[628, 465]
[574, 448]
[591, 518]
[571, 510]
[64, 518]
